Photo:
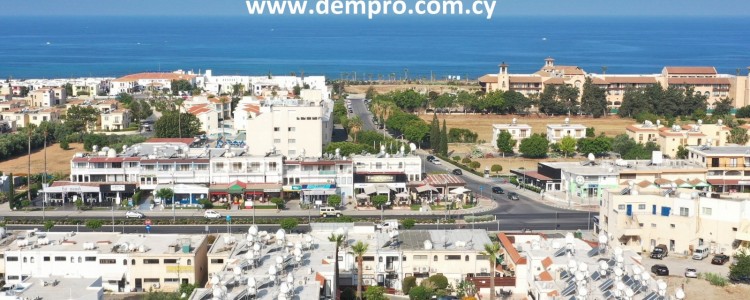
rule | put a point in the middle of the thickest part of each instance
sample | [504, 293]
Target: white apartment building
[315, 179]
[517, 131]
[22, 117]
[208, 117]
[385, 174]
[125, 262]
[682, 219]
[131, 83]
[555, 132]
[727, 166]
[293, 128]
[115, 120]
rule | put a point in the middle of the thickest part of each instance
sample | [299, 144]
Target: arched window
[132, 262]
[25, 259]
[434, 258]
[32, 259]
[189, 262]
[466, 258]
[124, 262]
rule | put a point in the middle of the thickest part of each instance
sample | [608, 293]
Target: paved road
[359, 108]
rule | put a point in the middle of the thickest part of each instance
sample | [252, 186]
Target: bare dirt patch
[58, 161]
[702, 289]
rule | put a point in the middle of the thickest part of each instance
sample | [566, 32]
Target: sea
[348, 46]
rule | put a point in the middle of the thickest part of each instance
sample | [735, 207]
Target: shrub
[466, 160]
[408, 223]
[205, 203]
[420, 293]
[715, 279]
[278, 202]
[288, 224]
[440, 281]
[409, 283]
[64, 145]
[475, 165]
[456, 158]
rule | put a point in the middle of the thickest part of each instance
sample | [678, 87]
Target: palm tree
[339, 240]
[178, 102]
[355, 124]
[359, 250]
[492, 251]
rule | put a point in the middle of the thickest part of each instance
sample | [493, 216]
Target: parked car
[701, 252]
[329, 211]
[133, 214]
[720, 259]
[691, 273]
[497, 190]
[211, 214]
[436, 161]
[457, 172]
[659, 252]
[740, 279]
[513, 196]
[660, 270]
[430, 157]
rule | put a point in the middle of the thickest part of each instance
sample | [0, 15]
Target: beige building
[555, 132]
[728, 166]
[22, 117]
[517, 131]
[670, 139]
[47, 97]
[115, 120]
[208, 117]
[704, 80]
[681, 219]
[143, 81]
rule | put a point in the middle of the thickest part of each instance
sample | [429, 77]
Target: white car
[691, 273]
[211, 214]
[133, 214]
[436, 161]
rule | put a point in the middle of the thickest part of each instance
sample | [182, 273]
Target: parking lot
[678, 264]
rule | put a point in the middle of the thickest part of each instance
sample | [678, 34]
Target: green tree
[64, 144]
[440, 281]
[182, 85]
[124, 98]
[742, 268]
[288, 224]
[11, 191]
[355, 125]
[408, 223]
[173, 124]
[359, 249]
[593, 99]
[723, 107]
[408, 283]
[370, 93]
[79, 204]
[743, 112]
[280, 204]
[737, 135]
[475, 165]
[420, 293]
[334, 200]
[141, 110]
[375, 293]
[379, 200]
[516, 102]
[94, 224]
[598, 145]
[536, 146]
[69, 89]
[81, 118]
[444, 140]
[416, 131]
[496, 168]
[590, 132]
[435, 133]
[444, 101]
[505, 142]
[338, 240]
[48, 225]
[187, 289]
[165, 194]
[682, 152]
[567, 145]
[492, 251]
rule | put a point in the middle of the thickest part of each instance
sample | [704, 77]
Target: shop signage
[296, 188]
[117, 187]
[271, 190]
[318, 186]
[380, 178]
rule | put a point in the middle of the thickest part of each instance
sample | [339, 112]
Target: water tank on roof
[111, 153]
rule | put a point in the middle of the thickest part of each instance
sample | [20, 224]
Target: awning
[362, 196]
[370, 190]
[724, 182]
[699, 183]
[402, 195]
[383, 189]
[184, 188]
[71, 189]
[425, 188]
[459, 191]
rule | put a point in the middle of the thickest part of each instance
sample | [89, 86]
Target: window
[150, 280]
[25, 260]
[217, 261]
[453, 257]
[292, 152]
[707, 211]
[653, 225]
[420, 257]
[434, 258]
[90, 258]
[124, 262]
[276, 129]
[150, 261]
[171, 280]
[60, 258]
[276, 141]
[672, 226]
[482, 257]
[189, 262]
[621, 207]
[368, 258]
[46, 258]
[640, 225]
[292, 141]
[684, 211]
[272, 166]
[641, 206]
[292, 129]
[466, 258]
[378, 165]
[170, 261]
[107, 261]
[132, 262]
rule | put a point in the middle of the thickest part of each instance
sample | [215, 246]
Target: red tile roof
[555, 80]
[511, 250]
[690, 70]
[489, 78]
[699, 81]
[546, 262]
[545, 276]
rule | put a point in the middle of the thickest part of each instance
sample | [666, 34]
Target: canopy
[425, 188]
[699, 183]
[459, 190]
[383, 189]
[402, 195]
[370, 190]
[362, 196]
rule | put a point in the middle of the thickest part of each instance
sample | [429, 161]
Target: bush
[420, 293]
[456, 158]
[475, 165]
[408, 283]
[64, 144]
[466, 160]
[715, 279]
[496, 168]
[288, 224]
[278, 202]
[408, 223]
[348, 294]
[440, 281]
[205, 203]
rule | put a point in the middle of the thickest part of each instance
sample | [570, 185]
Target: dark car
[497, 190]
[720, 259]
[457, 172]
[430, 157]
[660, 270]
[659, 252]
[740, 279]
[513, 196]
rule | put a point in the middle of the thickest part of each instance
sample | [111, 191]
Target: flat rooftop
[724, 150]
[104, 243]
[609, 167]
[47, 288]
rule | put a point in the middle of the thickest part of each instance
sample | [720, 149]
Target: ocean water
[47, 47]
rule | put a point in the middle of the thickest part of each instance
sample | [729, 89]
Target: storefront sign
[318, 186]
[380, 178]
[272, 190]
[296, 188]
[743, 182]
[117, 188]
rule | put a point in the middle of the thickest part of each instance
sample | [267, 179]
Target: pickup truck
[659, 252]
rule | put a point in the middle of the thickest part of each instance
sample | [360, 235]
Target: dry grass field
[58, 161]
[702, 289]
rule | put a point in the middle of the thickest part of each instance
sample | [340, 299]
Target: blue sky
[504, 7]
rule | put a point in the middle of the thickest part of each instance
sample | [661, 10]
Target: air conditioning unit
[415, 269]
[367, 281]
[368, 268]
[424, 269]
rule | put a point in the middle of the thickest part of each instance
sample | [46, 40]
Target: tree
[182, 85]
[505, 142]
[288, 224]
[280, 204]
[408, 283]
[375, 293]
[440, 281]
[435, 133]
[165, 194]
[743, 112]
[124, 98]
[492, 251]
[174, 124]
[334, 200]
[737, 135]
[408, 223]
[444, 140]
[94, 224]
[590, 132]
[359, 249]
[11, 192]
[567, 145]
[682, 152]
[496, 168]
[420, 293]
[64, 144]
[339, 240]
[81, 118]
[593, 99]
[742, 268]
[516, 102]
[141, 110]
[475, 165]
[48, 225]
[379, 200]
[370, 93]
[723, 107]
[598, 145]
[69, 89]
[355, 125]
[444, 101]
[416, 131]
[535, 146]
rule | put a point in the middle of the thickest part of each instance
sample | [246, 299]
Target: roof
[533, 174]
[565, 70]
[510, 249]
[631, 79]
[545, 276]
[555, 80]
[690, 70]
[597, 80]
[724, 150]
[546, 262]
[697, 81]
[219, 100]
[443, 179]
[639, 127]
[155, 76]
[186, 141]
[489, 78]
[199, 109]
[525, 79]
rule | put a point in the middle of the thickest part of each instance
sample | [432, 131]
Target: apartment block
[518, 132]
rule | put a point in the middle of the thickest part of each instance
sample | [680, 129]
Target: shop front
[367, 185]
[116, 193]
[185, 194]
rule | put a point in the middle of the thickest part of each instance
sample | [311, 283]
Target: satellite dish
[679, 293]
[412, 147]
[645, 276]
[591, 157]
[580, 180]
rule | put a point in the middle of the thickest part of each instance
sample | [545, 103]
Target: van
[329, 211]
[701, 252]
[659, 252]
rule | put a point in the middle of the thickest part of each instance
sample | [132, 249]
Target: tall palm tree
[359, 250]
[355, 124]
[339, 240]
[492, 251]
[178, 102]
